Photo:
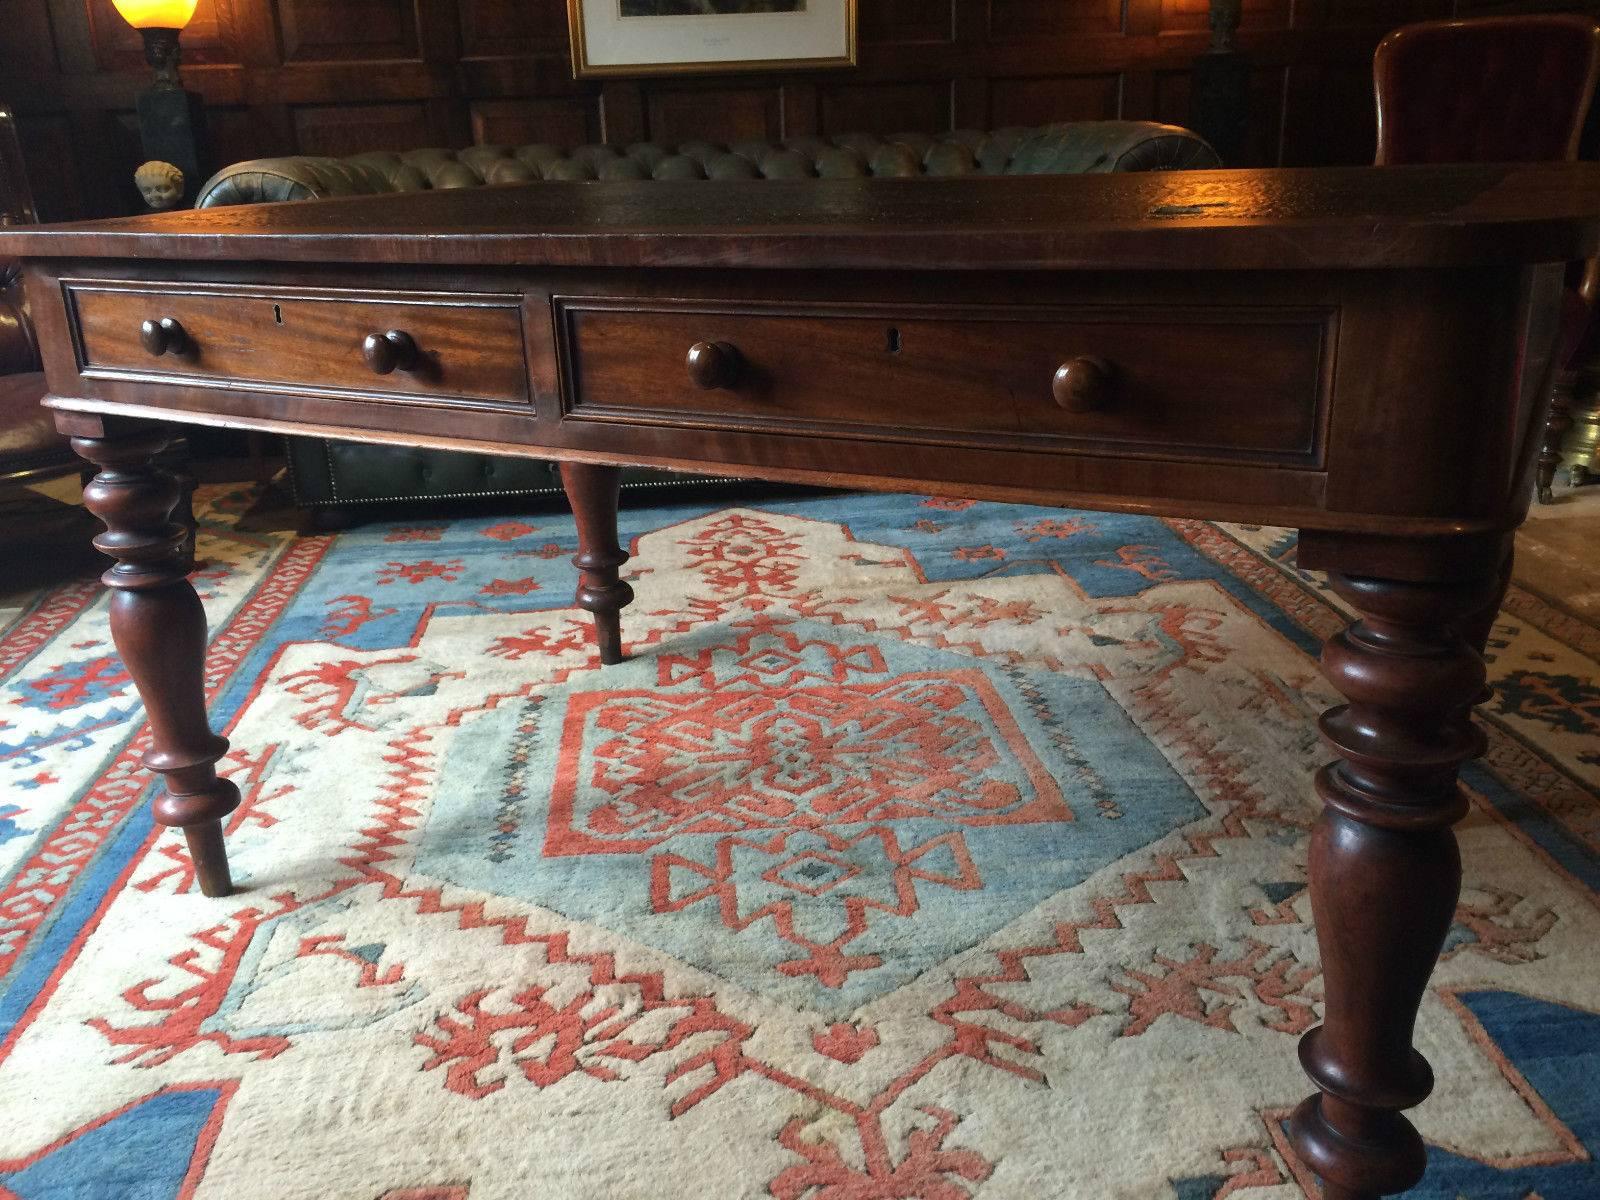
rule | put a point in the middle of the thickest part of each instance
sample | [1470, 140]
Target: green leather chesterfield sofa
[339, 477]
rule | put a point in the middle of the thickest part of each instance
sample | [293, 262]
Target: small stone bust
[161, 185]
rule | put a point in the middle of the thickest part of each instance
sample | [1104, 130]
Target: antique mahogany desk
[1362, 354]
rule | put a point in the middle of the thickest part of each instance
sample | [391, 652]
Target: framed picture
[660, 37]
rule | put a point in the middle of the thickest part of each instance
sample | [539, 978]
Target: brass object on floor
[1563, 389]
[1580, 448]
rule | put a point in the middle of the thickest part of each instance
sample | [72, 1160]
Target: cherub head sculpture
[161, 184]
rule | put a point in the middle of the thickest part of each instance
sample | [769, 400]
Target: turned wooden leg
[160, 631]
[592, 492]
[1385, 871]
[1555, 429]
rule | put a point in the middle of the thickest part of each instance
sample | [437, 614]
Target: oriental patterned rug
[924, 849]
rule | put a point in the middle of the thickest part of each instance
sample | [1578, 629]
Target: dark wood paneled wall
[338, 76]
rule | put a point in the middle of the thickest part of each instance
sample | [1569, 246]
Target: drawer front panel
[1245, 384]
[465, 347]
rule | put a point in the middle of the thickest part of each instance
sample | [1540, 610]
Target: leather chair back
[1498, 89]
[1493, 89]
[30, 448]
[17, 349]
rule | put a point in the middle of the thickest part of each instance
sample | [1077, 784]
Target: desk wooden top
[1339, 218]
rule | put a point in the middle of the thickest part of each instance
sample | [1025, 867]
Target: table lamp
[171, 119]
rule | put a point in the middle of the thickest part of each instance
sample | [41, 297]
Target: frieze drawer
[1243, 384]
[428, 346]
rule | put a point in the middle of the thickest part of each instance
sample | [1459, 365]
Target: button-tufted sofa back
[1079, 147]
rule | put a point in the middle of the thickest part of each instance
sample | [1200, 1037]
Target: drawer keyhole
[277, 313]
[893, 340]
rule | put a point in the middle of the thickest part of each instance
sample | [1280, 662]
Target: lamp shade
[156, 14]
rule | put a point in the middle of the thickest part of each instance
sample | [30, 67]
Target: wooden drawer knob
[1084, 384]
[395, 350]
[715, 364]
[164, 336]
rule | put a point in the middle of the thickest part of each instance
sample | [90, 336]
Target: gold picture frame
[607, 43]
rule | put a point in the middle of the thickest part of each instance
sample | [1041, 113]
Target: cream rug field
[922, 849]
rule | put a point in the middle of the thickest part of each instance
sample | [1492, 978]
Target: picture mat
[610, 40]
[719, 7]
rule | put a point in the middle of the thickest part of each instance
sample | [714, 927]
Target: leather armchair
[31, 450]
[30, 447]
[341, 476]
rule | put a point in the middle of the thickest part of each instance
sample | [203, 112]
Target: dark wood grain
[1433, 216]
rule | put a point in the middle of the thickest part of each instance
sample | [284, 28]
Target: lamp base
[1219, 104]
[1580, 449]
[172, 128]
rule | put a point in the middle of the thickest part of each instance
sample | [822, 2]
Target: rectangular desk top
[1344, 218]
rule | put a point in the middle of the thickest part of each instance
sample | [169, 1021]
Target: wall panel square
[347, 30]
[239, 133]
[497, 28]
[1021, 18]
[904, 22]
[48, 150]
[1387, 14]
[1195, 15]
[1330, 116]
[1062, 98]
[1264, 143]
[570, 121]
[679, 114]
[339, 129]
[922, 106]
